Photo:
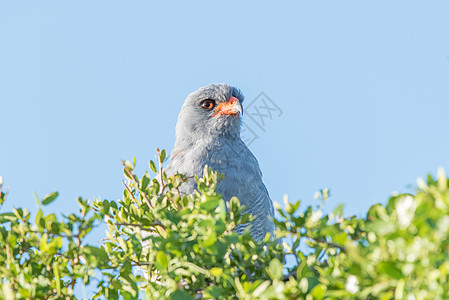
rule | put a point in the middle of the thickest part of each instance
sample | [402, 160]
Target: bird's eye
[208, 104]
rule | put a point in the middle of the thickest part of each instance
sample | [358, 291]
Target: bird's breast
[233, 159]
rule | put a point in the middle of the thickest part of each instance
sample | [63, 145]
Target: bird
[208, 133]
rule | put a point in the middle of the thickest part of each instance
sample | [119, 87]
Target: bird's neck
[207, 141]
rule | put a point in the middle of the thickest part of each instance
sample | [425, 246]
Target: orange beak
[231, 107]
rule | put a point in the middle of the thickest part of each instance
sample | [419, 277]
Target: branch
[129, 190]
[173, 202]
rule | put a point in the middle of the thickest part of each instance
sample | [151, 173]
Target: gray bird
[208, 132]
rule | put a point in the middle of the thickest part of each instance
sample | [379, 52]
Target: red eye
[208, 104]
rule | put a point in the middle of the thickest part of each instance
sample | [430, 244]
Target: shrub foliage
[160, 244]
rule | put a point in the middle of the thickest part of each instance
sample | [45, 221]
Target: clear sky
[363, 88]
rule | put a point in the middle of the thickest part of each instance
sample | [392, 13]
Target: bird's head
[211, 111]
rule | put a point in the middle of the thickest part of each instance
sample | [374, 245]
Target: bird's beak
[231, 107]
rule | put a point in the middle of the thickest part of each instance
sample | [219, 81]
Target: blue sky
[363, 87]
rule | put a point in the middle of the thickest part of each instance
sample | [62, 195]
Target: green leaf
[56, 242]
[37, 199]
[7, 217]
[161, 260]
[338, 211]
[163, 155]
[129, 165]
[210, 239]
[216, 271]
[222, 209]
[39, 220]
[96, 255]
[214, 292]
[261, 288]
[391, 269]
[153, 166]
[49, 198]
[144, 181]
[194, 267]
[275, 269]
[211, 203]
[180, 295]
[318, 291]
[57, 277]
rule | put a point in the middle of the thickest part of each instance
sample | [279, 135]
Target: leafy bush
[164, 245]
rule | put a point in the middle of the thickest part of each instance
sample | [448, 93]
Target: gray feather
[202, 138]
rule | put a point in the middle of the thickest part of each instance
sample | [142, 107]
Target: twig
[129, 190]
[137, 263]
[134, 180]
[160, 169]
[319, 240]
[173, 202]
[73, 283]
[65, 256]
[157, 223]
